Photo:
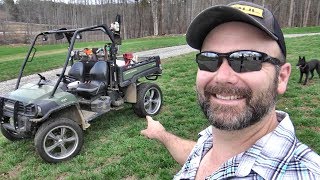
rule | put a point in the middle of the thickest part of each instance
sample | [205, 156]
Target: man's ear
[283, 78]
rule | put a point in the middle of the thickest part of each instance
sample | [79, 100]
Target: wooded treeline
[139, 17]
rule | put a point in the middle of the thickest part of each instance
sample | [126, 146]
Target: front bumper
[15, 115]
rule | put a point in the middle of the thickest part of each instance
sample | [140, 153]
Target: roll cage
[71, 35]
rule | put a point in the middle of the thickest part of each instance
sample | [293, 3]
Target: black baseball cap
[242, 11]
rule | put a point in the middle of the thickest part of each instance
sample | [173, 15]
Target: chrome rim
[60, 142]
[152, 100]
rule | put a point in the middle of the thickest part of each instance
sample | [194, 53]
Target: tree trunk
[154, 10]
[161, 16]
[291, 13]
[318, 14]
[123, 25]
[306, 12]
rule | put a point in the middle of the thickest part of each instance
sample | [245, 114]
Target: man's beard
[231, 118]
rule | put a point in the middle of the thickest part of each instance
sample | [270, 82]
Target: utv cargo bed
[148, 67]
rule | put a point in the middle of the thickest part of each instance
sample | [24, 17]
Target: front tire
[10, 135]
[149, 100]
[58, 140]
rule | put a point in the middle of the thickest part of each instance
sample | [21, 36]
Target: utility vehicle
[56, 112]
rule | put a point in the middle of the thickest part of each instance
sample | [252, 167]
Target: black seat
[77, 71]
[98, 83]
[87, 67]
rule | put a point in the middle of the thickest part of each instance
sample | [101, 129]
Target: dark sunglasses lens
[208, 61]
[245, 61]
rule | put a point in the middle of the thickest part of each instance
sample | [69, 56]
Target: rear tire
[58, 139]
[149, 100]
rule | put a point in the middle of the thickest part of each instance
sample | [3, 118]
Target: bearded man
[241, 69]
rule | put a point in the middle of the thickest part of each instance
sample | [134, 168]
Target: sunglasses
[239, 61]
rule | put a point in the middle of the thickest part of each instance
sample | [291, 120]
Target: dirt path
[300, 35]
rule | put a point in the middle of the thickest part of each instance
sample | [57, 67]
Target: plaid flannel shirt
[277, 155]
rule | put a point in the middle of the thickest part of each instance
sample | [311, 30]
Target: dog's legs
[311, 74]
[301, 74]
[306, 79]
[318, 70]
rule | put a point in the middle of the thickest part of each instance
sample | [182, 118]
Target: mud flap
[84, 123]
[131, 93]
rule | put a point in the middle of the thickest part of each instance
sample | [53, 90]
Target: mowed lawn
[114, 149]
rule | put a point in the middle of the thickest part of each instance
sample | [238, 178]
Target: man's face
[230, 100]
[236, 117]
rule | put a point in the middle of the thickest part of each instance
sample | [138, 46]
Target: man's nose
[225, 74]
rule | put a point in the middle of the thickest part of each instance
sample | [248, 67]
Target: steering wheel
[42, 78]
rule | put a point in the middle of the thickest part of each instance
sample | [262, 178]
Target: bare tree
[318, 14]
[123, 26]
[154, 10]
[291, 13]
[161, 13]
[142, 17]
[306, 12]
[11, 9]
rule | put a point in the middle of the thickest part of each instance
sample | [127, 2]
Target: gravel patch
[300, 35]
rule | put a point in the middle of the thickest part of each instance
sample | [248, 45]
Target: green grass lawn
[313, 29]
[114, 148]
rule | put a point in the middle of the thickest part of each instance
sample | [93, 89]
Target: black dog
[306, 67]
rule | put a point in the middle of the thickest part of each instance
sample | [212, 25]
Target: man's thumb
[144, 133]
[149, 118]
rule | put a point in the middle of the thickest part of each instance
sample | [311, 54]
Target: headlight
[30, 110]
[39, 113]
[9, 106]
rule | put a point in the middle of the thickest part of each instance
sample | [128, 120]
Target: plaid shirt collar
[276, 155]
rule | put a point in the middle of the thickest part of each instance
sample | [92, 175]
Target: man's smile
[228, 97]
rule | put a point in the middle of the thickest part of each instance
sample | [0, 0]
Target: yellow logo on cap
[249, 10]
